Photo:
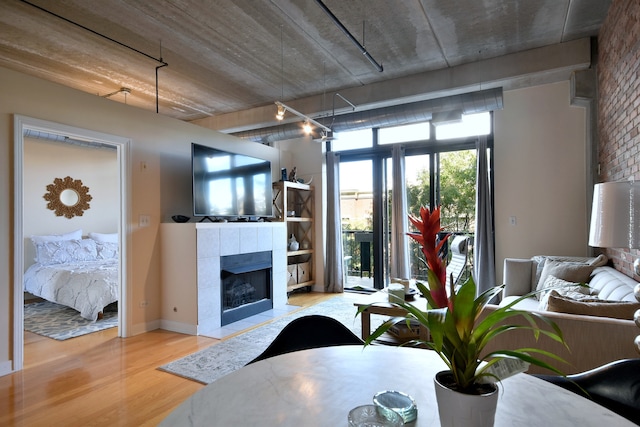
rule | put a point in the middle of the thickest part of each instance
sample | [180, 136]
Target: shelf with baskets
[293, 204]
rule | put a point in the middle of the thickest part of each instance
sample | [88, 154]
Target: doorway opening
[24, 125]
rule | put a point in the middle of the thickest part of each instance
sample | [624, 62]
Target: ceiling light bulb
[280, 114]
[307, 128]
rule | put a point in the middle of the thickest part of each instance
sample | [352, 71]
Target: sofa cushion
[527, 304]
[540, 260]
[576, 291]
[575, 272]
[518, 275]
[592, 307]
[610, 284]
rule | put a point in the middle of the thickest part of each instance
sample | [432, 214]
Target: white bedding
[86, 286]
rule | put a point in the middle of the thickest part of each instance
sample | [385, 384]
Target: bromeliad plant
[458, 333]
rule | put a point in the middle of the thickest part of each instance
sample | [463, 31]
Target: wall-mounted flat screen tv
[230, 185]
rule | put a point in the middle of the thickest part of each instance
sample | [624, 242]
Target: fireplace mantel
[191, 254]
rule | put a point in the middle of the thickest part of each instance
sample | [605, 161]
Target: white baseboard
[181, 328]
[6, 368]
[141, 328]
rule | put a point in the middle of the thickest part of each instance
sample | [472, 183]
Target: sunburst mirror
[67, 197]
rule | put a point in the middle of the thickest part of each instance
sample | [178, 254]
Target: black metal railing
[358, 257]
[358, 254]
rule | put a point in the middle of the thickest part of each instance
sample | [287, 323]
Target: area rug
[213, 362]
[61, 323]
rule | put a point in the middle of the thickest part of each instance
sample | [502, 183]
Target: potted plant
[458, 334]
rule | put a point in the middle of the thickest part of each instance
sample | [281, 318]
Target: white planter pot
[469, 410]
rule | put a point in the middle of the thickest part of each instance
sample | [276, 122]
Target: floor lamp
[615, 223]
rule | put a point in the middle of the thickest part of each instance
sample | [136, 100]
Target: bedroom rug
[61, 323]
[213, 362]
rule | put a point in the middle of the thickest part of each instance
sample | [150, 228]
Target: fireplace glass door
[246, 285]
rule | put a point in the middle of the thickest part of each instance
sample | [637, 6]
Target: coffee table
[378, 303]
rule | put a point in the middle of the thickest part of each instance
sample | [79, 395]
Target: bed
[78, 273]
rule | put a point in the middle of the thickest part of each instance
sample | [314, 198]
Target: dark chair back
[615, 386]
[309, 332]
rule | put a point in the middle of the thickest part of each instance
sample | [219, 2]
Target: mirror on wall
[67, 197]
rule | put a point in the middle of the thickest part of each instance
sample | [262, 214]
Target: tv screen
[228, 184]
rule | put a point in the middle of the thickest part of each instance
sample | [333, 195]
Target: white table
[318, 388]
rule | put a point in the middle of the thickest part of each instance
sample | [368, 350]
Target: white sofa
[592, 340]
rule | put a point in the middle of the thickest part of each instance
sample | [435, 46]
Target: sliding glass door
[439, 170]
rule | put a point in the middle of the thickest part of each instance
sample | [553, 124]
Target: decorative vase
[293, 243]
[460, 409]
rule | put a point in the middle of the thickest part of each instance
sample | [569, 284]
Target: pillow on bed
[102, 237]
[107, 250]
[73, 235]
[66, 251]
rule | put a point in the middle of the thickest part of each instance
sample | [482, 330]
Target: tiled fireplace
[217, 243]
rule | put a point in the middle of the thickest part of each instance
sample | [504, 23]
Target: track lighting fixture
[307, 128]
[308, 120]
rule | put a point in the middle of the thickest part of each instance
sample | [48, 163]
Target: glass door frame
[378, 155]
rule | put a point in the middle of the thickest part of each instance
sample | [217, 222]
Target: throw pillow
[107, 250]
[73, 235]
[599, 261]
[65, 251]
[576, 291]
[575, 272]
[540, 260]
[104, 237]
[593, 307]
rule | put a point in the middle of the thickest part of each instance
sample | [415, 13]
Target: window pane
[417, 178]
[406, 133]
[417, 182]
[356, 209]
[472, 125]
[458, 191]
[352, 140]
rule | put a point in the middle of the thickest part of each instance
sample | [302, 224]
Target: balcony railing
[356, 246]
[358, 258]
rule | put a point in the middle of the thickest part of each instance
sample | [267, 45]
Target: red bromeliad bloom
[429, 226]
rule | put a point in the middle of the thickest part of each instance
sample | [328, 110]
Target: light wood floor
[102, 380]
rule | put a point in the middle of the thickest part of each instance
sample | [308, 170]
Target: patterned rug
[61, 323]
[207, 365]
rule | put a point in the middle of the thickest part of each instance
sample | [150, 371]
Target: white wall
[97, 168]
[540, 175]
[159, 190]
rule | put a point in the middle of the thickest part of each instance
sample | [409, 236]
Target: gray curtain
[484, 256]
[399, 223]
[333, 277]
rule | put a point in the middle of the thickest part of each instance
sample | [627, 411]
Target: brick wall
[619, 105]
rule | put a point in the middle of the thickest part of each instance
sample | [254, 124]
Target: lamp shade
[615, 215]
